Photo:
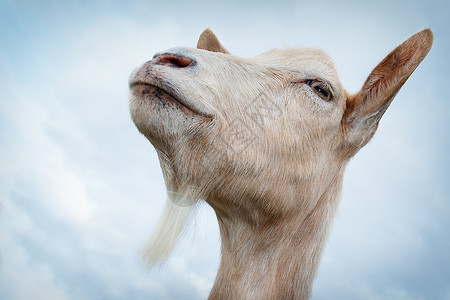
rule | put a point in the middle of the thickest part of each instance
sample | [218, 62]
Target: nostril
[175, 60]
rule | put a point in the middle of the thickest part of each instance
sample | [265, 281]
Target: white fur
[171, 226]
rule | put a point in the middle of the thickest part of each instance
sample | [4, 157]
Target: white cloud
[81, 190]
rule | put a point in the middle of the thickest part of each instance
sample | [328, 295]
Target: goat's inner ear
[209, 41]
[365, 109]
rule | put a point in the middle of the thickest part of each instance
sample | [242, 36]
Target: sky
[81, 189]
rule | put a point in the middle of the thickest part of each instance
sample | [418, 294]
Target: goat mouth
[153, 92]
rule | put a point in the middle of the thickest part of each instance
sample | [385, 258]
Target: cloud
[81, 189]
[76, 206]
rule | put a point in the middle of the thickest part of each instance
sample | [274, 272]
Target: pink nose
[173, 60]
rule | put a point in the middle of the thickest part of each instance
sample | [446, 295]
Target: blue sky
[81, 189]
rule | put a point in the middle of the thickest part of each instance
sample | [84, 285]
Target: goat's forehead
[291, 56]
[309, 62]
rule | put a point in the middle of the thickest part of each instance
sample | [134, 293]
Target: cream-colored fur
[265, 142]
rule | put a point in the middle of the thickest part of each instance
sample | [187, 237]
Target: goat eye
[320, 89]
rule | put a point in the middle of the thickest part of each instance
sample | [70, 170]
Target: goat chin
[171, 227]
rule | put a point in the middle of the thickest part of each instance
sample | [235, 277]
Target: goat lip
[144, 89]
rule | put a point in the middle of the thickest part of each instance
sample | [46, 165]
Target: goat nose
[173, 60]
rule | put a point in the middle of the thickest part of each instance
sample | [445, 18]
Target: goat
[264, 141]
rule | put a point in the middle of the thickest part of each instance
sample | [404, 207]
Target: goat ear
[365, 109]
[209, 41]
